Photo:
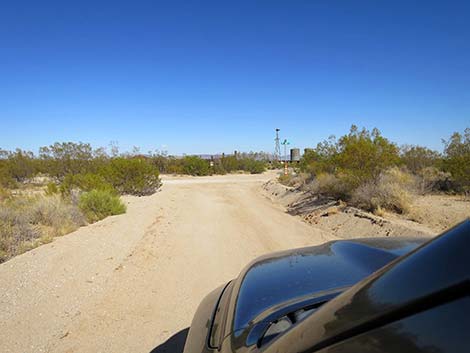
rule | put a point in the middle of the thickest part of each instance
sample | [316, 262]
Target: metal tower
[277, 148]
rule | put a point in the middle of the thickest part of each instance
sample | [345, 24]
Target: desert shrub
[161, 161]
[359, 167]
[15, 232]
[27, 222]
[219, 169]
[457, 159]
[391, 191]
[167, 164]
[356, 158]
[99, 204]
[431, 179]
[6, 180]
[5, 194]
[230, 163]
[175, 168]
[322, 159]
[309, 161]
[241, 162]
[54, 212]
[285, 179]
[51, 189]
[85, 182]
[275, 165]
[294, 180]
[194, 165]
[64, 158]
[134, 176]
[18, 166]
[330, 186]
[417, 158]
[253, 166]
[363, 155]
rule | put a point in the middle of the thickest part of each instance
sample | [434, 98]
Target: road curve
[129, 282]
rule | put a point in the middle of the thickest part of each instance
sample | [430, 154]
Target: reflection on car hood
[280, 277]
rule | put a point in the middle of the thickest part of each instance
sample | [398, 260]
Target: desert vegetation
[29, 221]
[98, 204]
[253, 163]
[367, 170]
[67, 185]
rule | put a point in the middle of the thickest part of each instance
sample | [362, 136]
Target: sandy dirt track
[129, 282]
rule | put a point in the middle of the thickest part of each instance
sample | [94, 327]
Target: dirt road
[129, 282]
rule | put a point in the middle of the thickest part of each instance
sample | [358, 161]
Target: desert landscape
[131, 281]
[152, 151]
[429, 214]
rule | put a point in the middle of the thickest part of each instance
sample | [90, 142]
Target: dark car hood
[281, 279]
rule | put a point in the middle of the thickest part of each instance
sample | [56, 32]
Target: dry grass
[431, 179]
[439, 211]
[392, 191]
[5, 194]
[294, 180]
[27, 222]
[329, 185]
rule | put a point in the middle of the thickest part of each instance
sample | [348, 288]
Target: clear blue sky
[213, 76]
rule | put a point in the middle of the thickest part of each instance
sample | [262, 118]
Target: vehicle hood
[272, 284]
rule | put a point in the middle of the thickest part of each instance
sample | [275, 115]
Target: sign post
[285, 143]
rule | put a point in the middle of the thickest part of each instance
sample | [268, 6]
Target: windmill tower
[277, 148]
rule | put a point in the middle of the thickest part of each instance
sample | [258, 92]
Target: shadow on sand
[174, 344]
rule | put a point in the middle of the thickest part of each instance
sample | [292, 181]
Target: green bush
[275, 165]
[417, 158]
[322, 159]
[230, 163]
[243, 162]
[218, 168]
[99, 204]
[51, 189]
[309, 161]
[63, 158]
[194, 165]
[18, 166]
[6, 180]
[15, 167]
[363, 155]
[457, 159]
[174, 166]
[133, 176]
[85, 182]
[357, 157]
[253, 166]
